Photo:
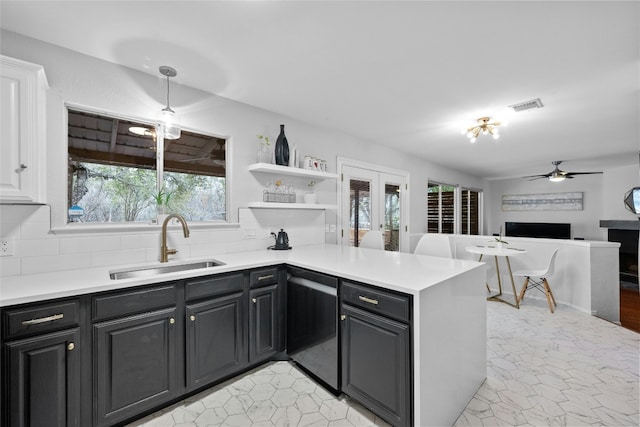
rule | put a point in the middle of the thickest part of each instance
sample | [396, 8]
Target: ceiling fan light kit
[557, 175]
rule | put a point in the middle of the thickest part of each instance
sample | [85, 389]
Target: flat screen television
[542, 230]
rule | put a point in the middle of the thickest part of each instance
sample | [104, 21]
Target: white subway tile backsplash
[141, 241]
[43, 264]
[74, 245]
[9, 266]
[205, 250]
[35, 230]
[36, 247]
[131, 256]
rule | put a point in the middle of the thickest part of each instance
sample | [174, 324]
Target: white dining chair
[434, 244]
[373, 239]
[538, 279]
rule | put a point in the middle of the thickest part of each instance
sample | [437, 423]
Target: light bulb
[169, 124]
[496, 135]
[473, 139]
[469, 134]
[485, 131]
[556, 178]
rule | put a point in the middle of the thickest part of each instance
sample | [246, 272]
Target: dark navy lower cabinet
[135, 364]
[215, 342]
[376, 356]
[43, 380]
[264, 329]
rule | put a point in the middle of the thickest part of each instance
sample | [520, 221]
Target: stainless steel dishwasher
[312, 324]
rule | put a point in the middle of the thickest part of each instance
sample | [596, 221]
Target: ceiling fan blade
[582, 173]
[546, 175]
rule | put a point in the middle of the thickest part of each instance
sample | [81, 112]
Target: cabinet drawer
[377, 300]
[213, 285]
[263, 277]
[132, 302]
[33, 319]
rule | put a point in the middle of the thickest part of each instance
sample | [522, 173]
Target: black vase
[282, 149]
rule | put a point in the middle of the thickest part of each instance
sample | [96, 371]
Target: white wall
[603, 199]
[80, 80]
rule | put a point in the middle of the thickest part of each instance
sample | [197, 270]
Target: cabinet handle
[172, 320]
[71, 346]
[253, 300]
[343, 317]
[23, 166]
[267, 277]
[42, 320]
[369, 300]
[192, 318]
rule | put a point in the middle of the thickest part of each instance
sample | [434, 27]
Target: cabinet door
[21, 130]
[216, 339]
[264, 328]
[44, 380]
[376, 364]
[134, 364]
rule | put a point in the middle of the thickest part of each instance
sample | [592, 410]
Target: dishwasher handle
[313, 285]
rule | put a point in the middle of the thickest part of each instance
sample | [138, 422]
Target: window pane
[433, 208]
[359, 211]
[470, 213]
[392, 217]
[112, 171]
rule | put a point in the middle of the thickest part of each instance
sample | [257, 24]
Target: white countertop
[392, 270]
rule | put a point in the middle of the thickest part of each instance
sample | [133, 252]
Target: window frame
[457, 207]
[58, 196]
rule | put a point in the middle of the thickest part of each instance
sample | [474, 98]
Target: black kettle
[282, 241]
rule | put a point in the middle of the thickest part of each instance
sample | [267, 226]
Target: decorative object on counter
[282, 241]
[282, 149]
[265, 154]
[169, 124]
[310, 196]
[499, 242]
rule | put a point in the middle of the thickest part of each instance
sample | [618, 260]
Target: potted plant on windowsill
[310, 196]
[162, 205]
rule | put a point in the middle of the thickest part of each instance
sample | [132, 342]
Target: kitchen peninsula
[448, 333]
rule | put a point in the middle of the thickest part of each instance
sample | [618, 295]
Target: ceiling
[409, 75]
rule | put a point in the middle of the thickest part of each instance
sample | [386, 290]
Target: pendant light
[169, 123]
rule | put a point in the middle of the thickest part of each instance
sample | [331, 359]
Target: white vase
[310, 198]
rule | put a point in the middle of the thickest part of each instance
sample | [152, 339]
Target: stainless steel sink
[161, 269]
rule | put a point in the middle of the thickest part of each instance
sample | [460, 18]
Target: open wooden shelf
[291, 171]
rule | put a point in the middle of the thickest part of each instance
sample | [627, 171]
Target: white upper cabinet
[23, 89]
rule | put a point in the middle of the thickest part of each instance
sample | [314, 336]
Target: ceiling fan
[558, 175]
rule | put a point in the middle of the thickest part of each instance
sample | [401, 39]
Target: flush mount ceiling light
[483, 127]
[169, 124]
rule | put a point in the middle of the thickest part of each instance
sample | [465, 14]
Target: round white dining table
[493, 250]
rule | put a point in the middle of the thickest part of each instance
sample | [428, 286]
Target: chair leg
[547, 292]
[524, 289]
[548, 288]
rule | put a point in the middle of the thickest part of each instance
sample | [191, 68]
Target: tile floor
[565, 369]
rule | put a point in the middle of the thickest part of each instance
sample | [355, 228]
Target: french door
[373, 200]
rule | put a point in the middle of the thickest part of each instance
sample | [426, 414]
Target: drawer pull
[343, 317]
[192, 318]
[267, 277]
[43, 320]
[253, 300]
[369, 300]
[172, 321]
[71, 346]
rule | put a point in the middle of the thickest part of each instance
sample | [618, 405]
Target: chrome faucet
[164, 250]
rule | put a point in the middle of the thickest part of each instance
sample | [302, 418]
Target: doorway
[373, 198]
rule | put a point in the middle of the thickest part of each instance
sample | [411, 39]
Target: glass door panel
[359, 210]
[392, 217]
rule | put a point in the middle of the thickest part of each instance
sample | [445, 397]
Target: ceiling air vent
[527, 105]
